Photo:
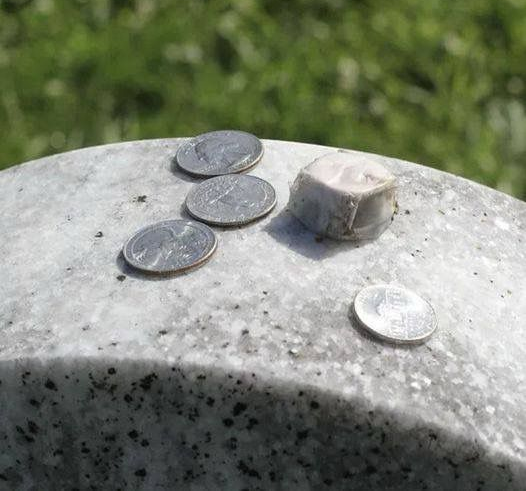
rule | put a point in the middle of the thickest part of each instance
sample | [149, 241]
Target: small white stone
[344, 196]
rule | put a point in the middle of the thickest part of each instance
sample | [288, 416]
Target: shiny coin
[395, 314]
[231, 200]
[220, 152]
[171, 246]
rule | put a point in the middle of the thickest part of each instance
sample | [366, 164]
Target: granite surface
[248, 373]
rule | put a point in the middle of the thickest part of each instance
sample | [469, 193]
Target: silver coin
[170, 246]
[231, 200]
[395, 314]
[220, 152]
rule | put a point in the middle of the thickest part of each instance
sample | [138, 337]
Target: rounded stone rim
[172, 272]
[236, 223]
[392, 340]
[252, 163]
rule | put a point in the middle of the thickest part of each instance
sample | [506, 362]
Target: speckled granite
[247, 373]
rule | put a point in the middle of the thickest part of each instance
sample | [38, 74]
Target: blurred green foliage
[441, 83]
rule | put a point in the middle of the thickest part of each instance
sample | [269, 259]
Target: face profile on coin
[219, 152]
[170, 246]
[231, 200]
[394, 314]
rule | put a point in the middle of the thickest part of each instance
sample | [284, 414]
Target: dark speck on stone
[111, 371]
[247, 470]
[133, 434]
[121, 277]
[302, 434]
[251, 423]
[314, 405]
[34, 402]
[146, 382]
[141, 199]
[33, 427]
[140, 472]
[50, 385]
[99, 234]
[162, 332]
[239, 408]
[145, 443]
[407, 212]
[244, 332]
[228, 422]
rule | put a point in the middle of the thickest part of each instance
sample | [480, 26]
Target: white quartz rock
[344, 196]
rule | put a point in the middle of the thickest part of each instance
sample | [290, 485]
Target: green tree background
[436, 82]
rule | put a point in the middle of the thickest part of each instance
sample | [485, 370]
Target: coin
[170, 246]
[219, 152]
[395, 314]
[231, 200]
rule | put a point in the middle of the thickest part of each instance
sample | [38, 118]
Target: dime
[232, 199]
[395, 314]
[170, 246]
[219, 152]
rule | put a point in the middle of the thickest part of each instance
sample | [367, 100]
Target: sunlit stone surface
[344, 196]
[247, 372]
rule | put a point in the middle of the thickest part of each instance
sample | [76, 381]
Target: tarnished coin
[231, 200]
[170, 246]
[220, 152]
[395, 314]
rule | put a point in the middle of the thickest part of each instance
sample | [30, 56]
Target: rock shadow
[286, 229]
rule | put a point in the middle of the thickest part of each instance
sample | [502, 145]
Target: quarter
[170, 246]
[219, 152]
[232, 199]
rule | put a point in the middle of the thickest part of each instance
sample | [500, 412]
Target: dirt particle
[50, 385]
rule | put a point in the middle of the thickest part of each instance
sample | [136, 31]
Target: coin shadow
[363, 333]
[286, 229]
[181, 174]
[128, 270]
[183, 211]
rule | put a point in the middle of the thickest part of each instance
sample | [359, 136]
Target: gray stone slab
[247, 373]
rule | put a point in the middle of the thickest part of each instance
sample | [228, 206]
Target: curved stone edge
[84, 422]
[179, 140]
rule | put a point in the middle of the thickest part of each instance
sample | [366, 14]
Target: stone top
[356, 176]
[274, 299]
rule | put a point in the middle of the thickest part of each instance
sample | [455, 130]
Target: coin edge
[242, 170]
[173, 272]
[232, 224]
[412, 341]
